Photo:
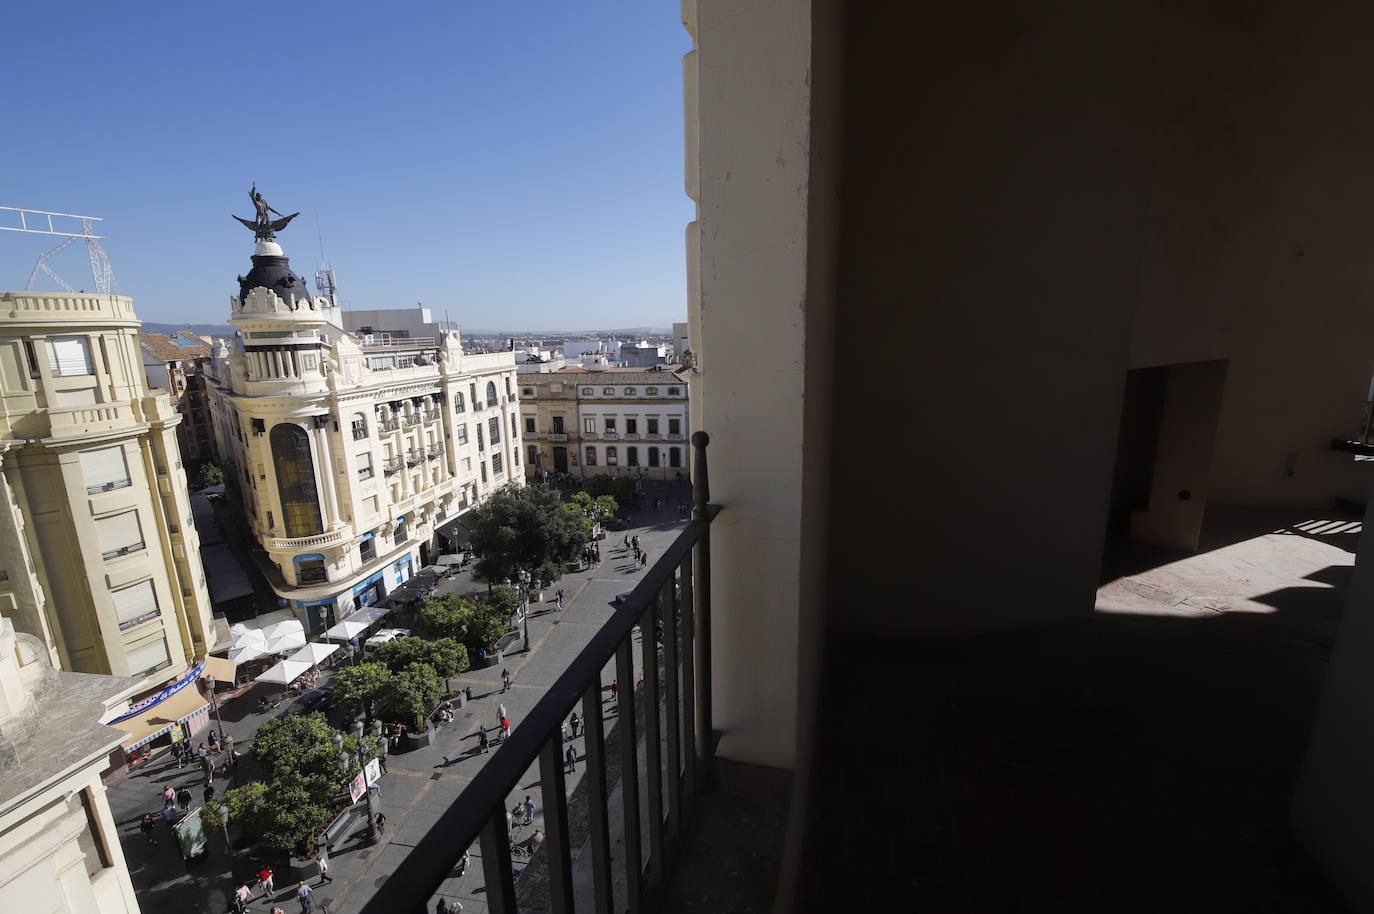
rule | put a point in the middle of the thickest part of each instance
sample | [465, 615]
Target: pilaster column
[328, 486]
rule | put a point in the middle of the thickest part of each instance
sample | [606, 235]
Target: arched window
[300, 504]
[359, 427]
[491, 393]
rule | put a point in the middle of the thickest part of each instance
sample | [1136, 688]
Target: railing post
[701, 596]
[496, 866]
[595, 779]
[557, 839]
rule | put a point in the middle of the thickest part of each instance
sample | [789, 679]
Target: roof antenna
[324, 276]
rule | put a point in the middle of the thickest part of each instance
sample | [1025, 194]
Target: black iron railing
[680, 717]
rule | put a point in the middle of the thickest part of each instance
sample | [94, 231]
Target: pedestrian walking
[322, 859]
[505, 681]
[501, 710]
[184, 798]
[169, 795]
[179, 751]
[202, 751]
[627, 541]
[242, 895]
[529, 810]
[615, 689]
[567, 731]
[643, 559]
[265, 880]
[381, 823]
[209, 793]
[570, 757]
[169, 815]
[483, 744]
[505, 728]
[576, 725]
[148, 828]
[306, 897]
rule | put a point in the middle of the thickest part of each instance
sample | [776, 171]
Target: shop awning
[161, 717]
[222, 669]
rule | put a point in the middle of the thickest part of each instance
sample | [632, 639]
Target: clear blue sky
[518, 162]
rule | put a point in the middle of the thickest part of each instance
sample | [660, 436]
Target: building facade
[616, 421]
[59, 844]
[349, 458]
[101, 559]
[175, 364]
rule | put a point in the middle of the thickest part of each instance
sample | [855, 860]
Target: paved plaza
[419, 785]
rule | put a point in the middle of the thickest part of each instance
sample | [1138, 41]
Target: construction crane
[40, 222]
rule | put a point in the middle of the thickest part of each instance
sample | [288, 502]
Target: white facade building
[349, 457]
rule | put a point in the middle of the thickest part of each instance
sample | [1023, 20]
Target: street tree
[210, 475]
[447, 656]
[477, 625]
[526, 527]
[358, 688]
[410, 693]
[621, 488]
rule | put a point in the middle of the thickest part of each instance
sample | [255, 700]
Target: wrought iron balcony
[393, 464]
[671, 609]
[632, 436]
[654, 436]
[432, 415]
[610, 436]
[414, 457]
[391, 425]
[435, 451]
[558, 436]
[410, 420]
[122, 550]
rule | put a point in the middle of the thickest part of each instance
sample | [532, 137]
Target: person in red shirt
[265, 881]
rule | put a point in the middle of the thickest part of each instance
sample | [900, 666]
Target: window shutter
[68, 356]
[119, 532]
[135, 602]
[149, 657]
[104, 468]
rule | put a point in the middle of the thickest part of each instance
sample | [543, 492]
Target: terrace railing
[671, 608]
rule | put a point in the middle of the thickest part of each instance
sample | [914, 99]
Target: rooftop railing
[677, 744]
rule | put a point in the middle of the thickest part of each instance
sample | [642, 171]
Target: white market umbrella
[290, 641]
[348, 628]
[313, 652]
[285, 672]
[246, 652]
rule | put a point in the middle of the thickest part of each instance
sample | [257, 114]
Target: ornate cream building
[100, 559]
[349, 458]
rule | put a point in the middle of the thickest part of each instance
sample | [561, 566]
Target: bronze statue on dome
[264, 227]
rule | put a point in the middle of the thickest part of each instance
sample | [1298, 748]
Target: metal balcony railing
[391, 425]
[677, 747]
[558, 436]
[654, 436]
[414, 457]
[411, 419]
[393, 464]
[122, 550]
[432, 415]
[312, 576]
[435, 451]
[107, 487]
[632, 436]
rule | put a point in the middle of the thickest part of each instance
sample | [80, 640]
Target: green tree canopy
[301, 747]
[478, 626]
[410, 693]
[621, 488]
[446, 655]
[526, 527]
[211, 475]
[598, 508]
[359, 687]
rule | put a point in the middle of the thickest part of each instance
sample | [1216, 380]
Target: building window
[310, 569]
[674, 457]
[675, 391]
[365, 466]
[589, 425]
[558, 425]
[458, 401]
[494, 430]
[632, 456]
[513, 431]
[631, 426]
[462, 434]
[296, 480]
[591, 456]
[651, 391]
[586, 392]
[610, 424]
[515, 456]
[496, 467]
[630, 391]
[367, 549]
[92, 839]
[359, 428]
[402, 531]
[135, 605]
[271, 522]
[481, 444]
[483, 466]
[476, 404]
[653, 456]
[532, 454]
[527, 391]
[653, 426]
[608, 391]
[529, 425]
[149, 658]
[610, 457]
[491, 393]
[32, 358]
[675, 426]
[508, 385]
[69, 356]
[104, 469]
[370, 503]
[467, 464]
[119, 535]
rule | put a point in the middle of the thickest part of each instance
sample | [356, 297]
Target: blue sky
[516, 162]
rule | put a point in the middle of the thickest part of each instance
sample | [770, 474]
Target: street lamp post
[222, 813]
[362, 763]
[214, 702]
